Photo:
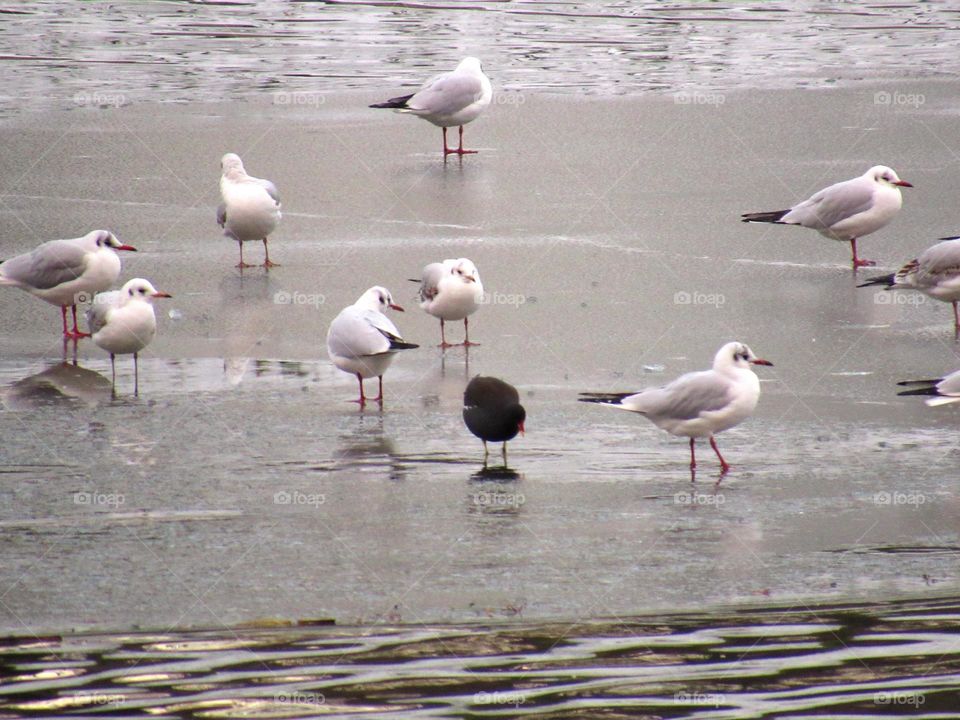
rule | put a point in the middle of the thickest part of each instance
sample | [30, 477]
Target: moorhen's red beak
[521, 428]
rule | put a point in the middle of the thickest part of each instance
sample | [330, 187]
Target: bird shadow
[499, 473]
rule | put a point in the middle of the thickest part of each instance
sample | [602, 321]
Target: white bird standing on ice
[935, 273]
[451, 290]
[698, 404]
[452, 99]
[847, 210]
[123, 322]
[250, 209]
[65, 272]
[362, 340]
[945, 390]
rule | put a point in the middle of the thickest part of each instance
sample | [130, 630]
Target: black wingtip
[399, 345]
[603, 398]
[393, 103]
[919, 391]
[764, 217]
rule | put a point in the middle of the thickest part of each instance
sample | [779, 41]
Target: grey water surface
[603, 213]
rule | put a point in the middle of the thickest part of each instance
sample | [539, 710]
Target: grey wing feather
[447, 95]
[102, 304]
[432, 275]
[222, 214]
[950, 385]
[833, 204]
[685, 398]
[271, 190]
[382, 324]
[49, 265]
[941, 260]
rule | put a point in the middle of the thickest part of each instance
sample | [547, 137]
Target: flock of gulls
[363, 341]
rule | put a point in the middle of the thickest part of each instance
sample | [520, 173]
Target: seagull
[492, 411]
[698, 404]
[847, 210]
[454, 98]
[935, 273]
[451, 290]
[123, 322]
[362, 340]
[67, 272]
[946, 389]
[250, 209]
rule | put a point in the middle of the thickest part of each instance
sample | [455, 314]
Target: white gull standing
[123, 322]
[698, 404]
[250, 209]
[65, 272]
[847, 210]
[935, 273]
[451, 99]
[451, 290]
[362, 340]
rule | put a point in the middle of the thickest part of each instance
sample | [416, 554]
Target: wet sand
[242, 483]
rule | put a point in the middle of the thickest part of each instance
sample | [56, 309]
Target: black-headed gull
[945, 390]
[935, 273]
[454, 98]
[847, 210]
[492, 411]
[698, 404]
[250, 209]
[451, 290]
[362, 340]
[65, 272]
[123, 322]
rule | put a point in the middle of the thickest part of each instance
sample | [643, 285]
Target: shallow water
[850, 661]
[243, 484]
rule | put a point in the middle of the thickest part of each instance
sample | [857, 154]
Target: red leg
[446, 150]
[461, 151]
[242, 264]
[362, 400]
[63, 313]
[466, 334]
[379, 398]
[76, 331]
[724, 467]
[956, 319]
[857, 261]
[266, 253]
[693, 456]
[443, 337]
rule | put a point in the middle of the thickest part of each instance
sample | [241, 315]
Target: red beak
[160, 293]
[758, 361]
[395, 307]
[903, 183]
[521, 428]
[131, 248]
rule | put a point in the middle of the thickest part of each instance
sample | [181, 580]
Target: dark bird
[492, 411]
